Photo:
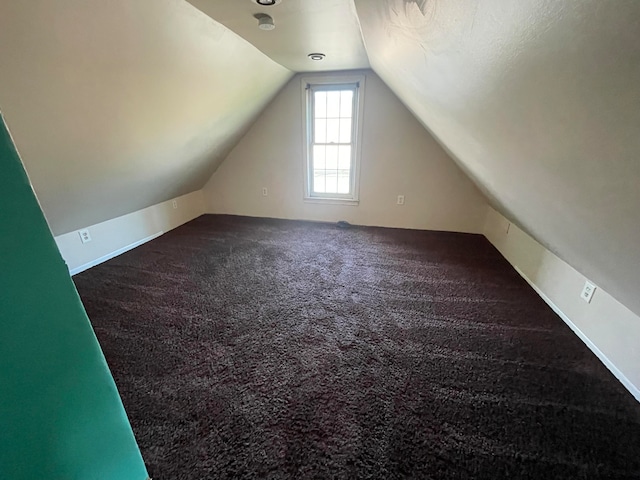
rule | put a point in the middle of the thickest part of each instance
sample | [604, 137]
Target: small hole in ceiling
[316, 56]
[266, 3]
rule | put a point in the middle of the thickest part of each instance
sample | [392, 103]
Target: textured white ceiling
[302, 27]
[118, 105]
[539, 101]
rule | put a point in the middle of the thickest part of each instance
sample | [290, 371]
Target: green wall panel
[60, 413]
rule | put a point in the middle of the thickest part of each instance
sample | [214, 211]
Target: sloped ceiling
[117, 105]
[539, 101]
[301, 27]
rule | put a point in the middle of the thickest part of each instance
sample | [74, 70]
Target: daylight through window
[332, 133]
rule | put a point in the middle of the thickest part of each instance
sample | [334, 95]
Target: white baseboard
[113, 254]
[603, 358]
[115, 236]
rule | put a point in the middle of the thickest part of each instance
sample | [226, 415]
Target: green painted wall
[60, 413]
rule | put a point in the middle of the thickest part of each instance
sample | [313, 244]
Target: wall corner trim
[118, 235]
[635, 391]
[113, 254]
[607, 327]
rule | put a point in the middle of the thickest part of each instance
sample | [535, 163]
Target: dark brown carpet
[252, 348]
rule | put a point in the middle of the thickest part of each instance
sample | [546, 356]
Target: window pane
[319, 184]
[346, 103]
[320, 131]
[320, 104]
[319, 162]
[333, 131]
[345, 130]
[333, 104]
[343, 181]
[331, 181]
[344, 157]
[331, 147]
[332, 157]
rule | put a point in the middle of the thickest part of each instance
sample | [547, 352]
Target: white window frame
[308, 84]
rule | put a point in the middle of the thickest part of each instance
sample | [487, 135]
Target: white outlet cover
[85, 236]
[400, 199]
[265, 192]
[587, 291]
[175, 204]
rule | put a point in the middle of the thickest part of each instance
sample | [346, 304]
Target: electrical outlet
[265, 192]
[175, 204]
[85, 236]
[400, 200]
[587, 291]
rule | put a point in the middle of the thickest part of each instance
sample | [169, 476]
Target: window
[332, 138]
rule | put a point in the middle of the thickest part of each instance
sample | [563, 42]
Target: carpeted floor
[263, 349]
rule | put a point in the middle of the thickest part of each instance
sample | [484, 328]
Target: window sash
[312, 89]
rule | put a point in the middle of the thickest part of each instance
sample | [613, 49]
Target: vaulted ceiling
[539, 102]
[115, 106]
[118, 105]
[302, 27]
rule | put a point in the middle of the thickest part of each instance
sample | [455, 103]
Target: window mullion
[334, 172]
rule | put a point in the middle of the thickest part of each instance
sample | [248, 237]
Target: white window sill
[331, 201]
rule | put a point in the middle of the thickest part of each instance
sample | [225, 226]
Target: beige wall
[399, 157]
[118, 235]
[609, 328]
[122, 104]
